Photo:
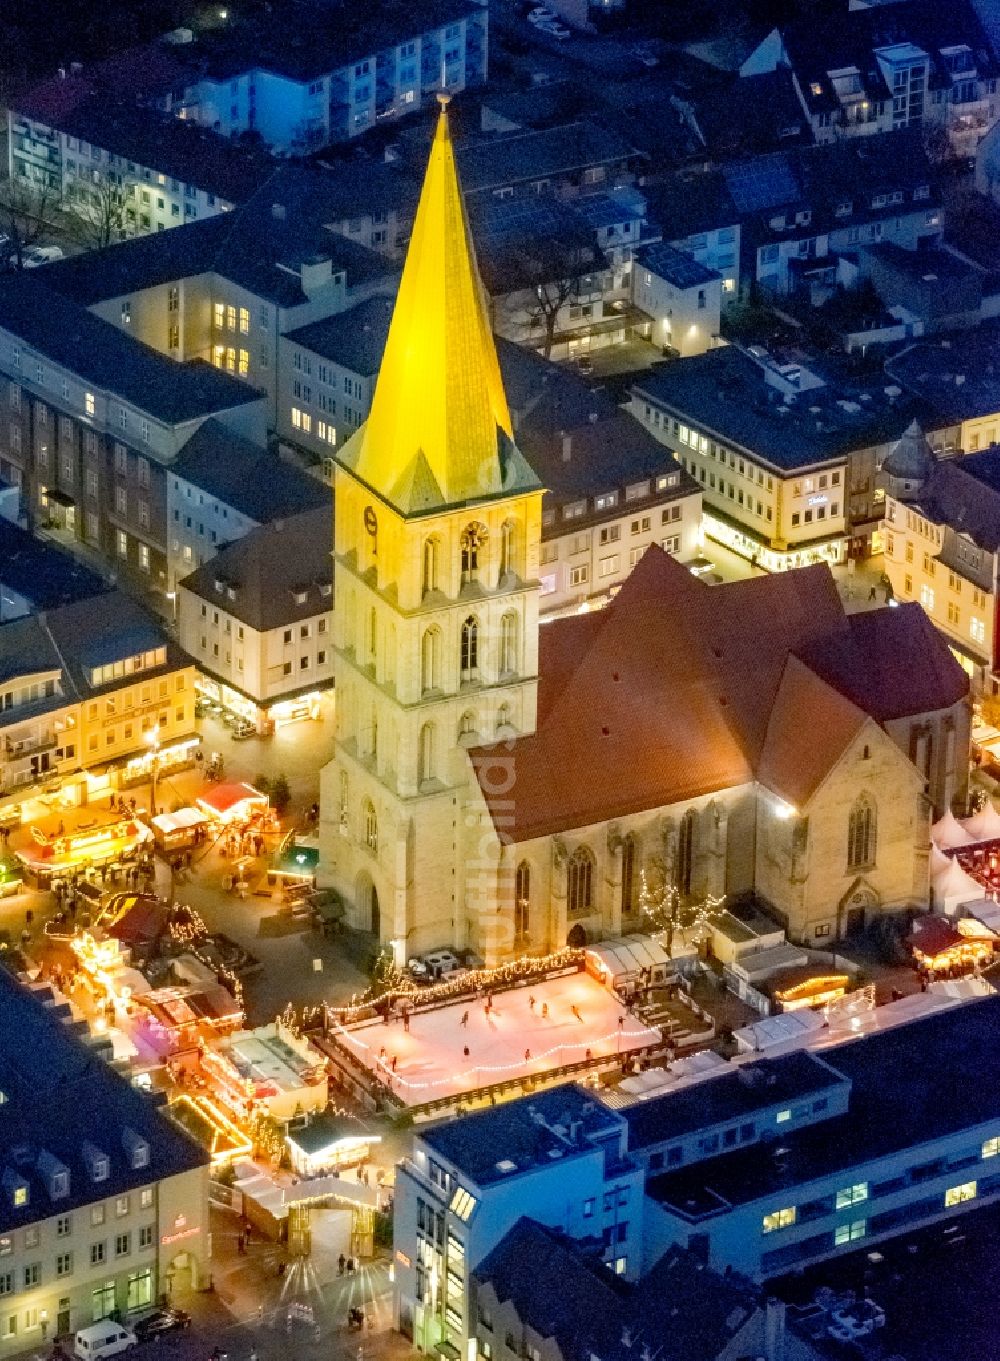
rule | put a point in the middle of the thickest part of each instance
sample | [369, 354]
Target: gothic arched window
[522, 901]
[862, 833]
[470, 649]
[628, 875]
[580, 881]
[370, 826]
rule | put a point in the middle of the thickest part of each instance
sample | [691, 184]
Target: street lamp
[153, 738]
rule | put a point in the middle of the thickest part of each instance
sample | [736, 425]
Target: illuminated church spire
[439, 432]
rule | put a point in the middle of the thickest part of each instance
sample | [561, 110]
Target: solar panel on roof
[762, 184]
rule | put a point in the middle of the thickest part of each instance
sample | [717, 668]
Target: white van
[106, 1338]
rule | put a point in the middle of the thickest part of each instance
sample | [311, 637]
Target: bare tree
[556, 272]
[666, 911]
[98, 213]
[26, 214]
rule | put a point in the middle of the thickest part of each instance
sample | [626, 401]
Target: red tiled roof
[892, 662]
[678, 689]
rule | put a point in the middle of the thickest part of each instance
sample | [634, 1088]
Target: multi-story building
[467, 1183]
[801, 209]
[862, 1152]
[258, 618]
[125, 169]
[262, 76]
[220, 487]
[698, 217]
[103, 1199]
[786, 461]
[871, 69]
[766, 1166]
[955, 377]
[566, 161]
[93, 420]
[36, 574]
[227, 289]
[93, 695]
[326, 376]
[682, 298]
[942, 547]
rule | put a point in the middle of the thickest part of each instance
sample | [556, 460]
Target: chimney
[567, 445]
[315, 274]
[774, 1329]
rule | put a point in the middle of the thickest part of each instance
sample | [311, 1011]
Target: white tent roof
[954, 887]
[948, 832]
[984, 825]
[938, 861]
[176, 822]
[651, 948]
[984, 910]
[760, 964]
[779, 1029]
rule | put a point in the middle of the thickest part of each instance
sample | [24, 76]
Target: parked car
[103, 1339]
[160, 1321]
[41, 255]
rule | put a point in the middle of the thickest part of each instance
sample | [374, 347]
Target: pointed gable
[439, 431]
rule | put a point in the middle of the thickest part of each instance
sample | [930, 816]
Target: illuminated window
[20, 1196]
[850, 1233]
[852, 1195]
[991, 1147]
[462, 1204]
[231, 317]
[244, 363]
[218, 355]
[782, 1116]
[779, 1219]
[244, 321]
[219, 315]
[89, 404]
[957, 1195]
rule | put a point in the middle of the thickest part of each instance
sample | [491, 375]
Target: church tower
[437, 530]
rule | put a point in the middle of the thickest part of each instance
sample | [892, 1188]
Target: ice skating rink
[513, 1039]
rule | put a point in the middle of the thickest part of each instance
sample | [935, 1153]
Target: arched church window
[508, 645]
[507, 531]
[685, 853]
[628, 875]
[430, 567]
[473, 542]
[425, 754]
[370, 818]
[522, 901]
[862, 832]
[430, 660]
[470, 649]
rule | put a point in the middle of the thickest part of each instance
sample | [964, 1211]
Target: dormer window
[98, 1163]
[136, 1147]
[219, 585]
[59, 1185]
[20, 1196]
[299, 597]
[16, 1189]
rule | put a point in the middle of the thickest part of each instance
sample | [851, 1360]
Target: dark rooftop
[100, 353]
[354, 339]
[269, 567]
[41, 572]
[259, 246]
[60, 1097]
[529, 1132]
[516, 157]
[242, 475]
[910, 1085]
[731, 1096]
[726, 393]
[957, 374]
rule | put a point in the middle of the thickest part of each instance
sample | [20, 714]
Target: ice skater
[464, 1022]
[465, 1051]
[527, 1056]
[576, 1013]
[531, 1004]
[545, 1011]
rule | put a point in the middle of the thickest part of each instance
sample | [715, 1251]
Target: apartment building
[36, 574]
[326, 376]
[467, 1183]
[700, 219]
[257, 618]
[123, 168]
[92, 421]
[227, 289]
[104, 1200]
[785, 460]
[300, 93]
[682, 298]
[92, 694]
[567, 161]
[220, 487]
[875, 69]
[942, 547]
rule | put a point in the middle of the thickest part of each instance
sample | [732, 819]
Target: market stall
[939, 946]
[231, 802]
[50, 854]
[176, 831]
